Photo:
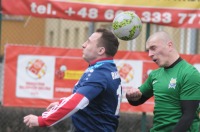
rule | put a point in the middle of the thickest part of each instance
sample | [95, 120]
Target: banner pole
[91, 28]
[148, 28]
[1, 54]
[143, 121]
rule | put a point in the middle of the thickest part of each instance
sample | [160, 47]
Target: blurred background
[32, 30]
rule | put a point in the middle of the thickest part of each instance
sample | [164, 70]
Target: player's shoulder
[105, 68]
[187, 67]
[187, 70]
[156, 71]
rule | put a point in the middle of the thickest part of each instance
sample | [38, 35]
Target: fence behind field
[27, 30]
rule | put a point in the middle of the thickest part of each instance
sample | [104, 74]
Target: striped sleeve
[64, 109]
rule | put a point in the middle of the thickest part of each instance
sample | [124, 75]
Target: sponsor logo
[36, 68]
[115, 75]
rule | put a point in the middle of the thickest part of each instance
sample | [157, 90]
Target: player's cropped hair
[109, 41]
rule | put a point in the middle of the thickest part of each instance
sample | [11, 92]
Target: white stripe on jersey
[66, 108]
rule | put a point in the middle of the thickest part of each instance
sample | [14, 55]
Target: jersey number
[119, 94]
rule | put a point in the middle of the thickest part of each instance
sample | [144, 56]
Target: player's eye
[153, 48]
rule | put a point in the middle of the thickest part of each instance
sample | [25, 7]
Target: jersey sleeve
[66, 108]
[190, 89]
[146, 88]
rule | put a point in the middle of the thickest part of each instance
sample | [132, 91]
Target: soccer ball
[127, 25]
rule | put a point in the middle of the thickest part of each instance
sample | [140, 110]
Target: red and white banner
[182, 13]
[35, 76]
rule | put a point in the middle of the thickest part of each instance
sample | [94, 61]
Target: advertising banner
[181, 13]
[36, 76]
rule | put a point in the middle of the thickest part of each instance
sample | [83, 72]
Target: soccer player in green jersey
[175, 87]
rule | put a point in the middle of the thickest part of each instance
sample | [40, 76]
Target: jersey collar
[172, 65]
[102, 59]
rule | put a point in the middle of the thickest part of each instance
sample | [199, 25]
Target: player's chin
[83, 56]
[86, 59]
[161, 64]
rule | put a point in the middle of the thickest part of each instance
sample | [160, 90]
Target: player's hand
[31, 120]
[133, 94]
[52, 105]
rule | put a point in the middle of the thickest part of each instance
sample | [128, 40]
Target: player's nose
[84, 45]
[150, 53]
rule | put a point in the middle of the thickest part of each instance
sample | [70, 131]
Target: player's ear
[170, 44]
[102, 50]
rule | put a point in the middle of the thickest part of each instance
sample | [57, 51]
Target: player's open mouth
[155, 60]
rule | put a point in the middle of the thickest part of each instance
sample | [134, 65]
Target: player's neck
[178, 59]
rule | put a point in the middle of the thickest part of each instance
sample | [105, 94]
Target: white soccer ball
[127, 25]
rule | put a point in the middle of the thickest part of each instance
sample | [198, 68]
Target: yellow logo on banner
[184, 4]
[73, 74]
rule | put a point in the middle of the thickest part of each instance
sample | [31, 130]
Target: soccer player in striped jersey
[95, 102]
[175, 87]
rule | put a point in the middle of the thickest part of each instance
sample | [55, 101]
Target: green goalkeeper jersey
[169, 86]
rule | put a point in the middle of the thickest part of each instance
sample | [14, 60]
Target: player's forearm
[138, 102]
[66, 108]
[184, 124]
[189, 108]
